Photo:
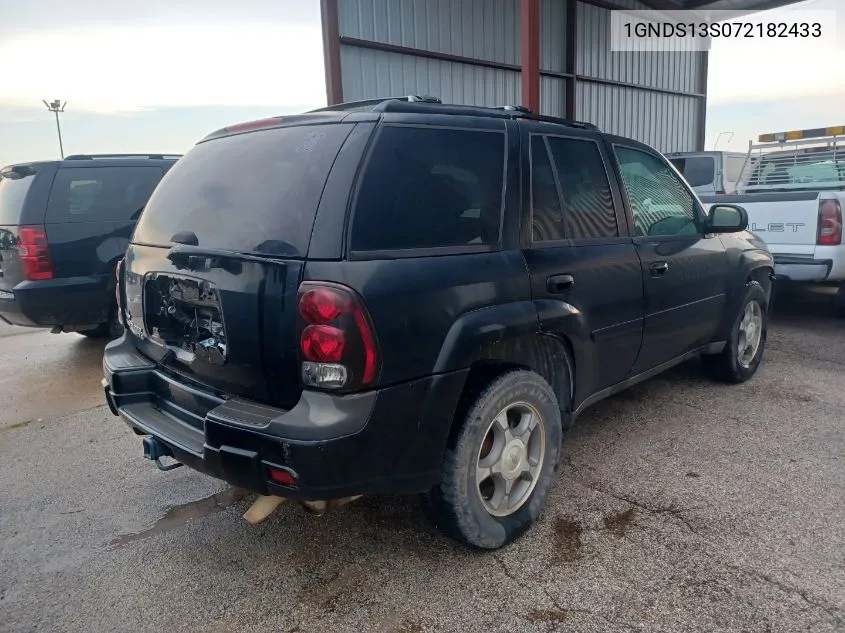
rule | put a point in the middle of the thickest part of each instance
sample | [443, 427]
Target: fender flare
[752, 264]
[509, 333]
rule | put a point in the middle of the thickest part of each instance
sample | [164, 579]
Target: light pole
[56, 106]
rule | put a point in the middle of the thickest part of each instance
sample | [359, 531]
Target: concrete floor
[681, 505]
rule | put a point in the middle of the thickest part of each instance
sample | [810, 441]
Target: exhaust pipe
[262, 508]
[319, 508]
[265, 505]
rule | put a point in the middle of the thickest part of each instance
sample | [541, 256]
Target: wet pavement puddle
[177, 516]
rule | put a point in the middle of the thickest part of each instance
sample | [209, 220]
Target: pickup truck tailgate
[786, 221]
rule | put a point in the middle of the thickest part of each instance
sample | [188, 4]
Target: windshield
[696, 170]
[250, 193]
[14, 186]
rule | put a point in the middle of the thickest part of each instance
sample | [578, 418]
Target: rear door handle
[658, 269]
[557, 284]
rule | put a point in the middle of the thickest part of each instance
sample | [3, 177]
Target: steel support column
[571, 61]
[530, 53]
[331, 51]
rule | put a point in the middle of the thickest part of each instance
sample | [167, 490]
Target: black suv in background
[63, 227]
[412, 297]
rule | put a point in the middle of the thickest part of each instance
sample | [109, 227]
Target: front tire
[741, 357]
[497, 473]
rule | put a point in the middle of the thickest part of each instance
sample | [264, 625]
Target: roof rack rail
[371, 104]
[105, 156]
[515, 108]
[505, 111]
[415, 103]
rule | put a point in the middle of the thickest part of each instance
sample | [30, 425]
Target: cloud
[135, 68]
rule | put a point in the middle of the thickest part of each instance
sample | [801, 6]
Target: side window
[698, 170]
[546, 216]
[430, 187]
[660, 203]
[88, 194]
[733, 167]
[588, 211]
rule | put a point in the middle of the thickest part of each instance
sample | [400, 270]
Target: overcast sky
[157, 75]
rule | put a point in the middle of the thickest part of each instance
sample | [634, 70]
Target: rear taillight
[118, 293]
[830, 223]
[34, 253]
[337, 341]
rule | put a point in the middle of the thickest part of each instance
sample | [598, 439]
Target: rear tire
[741, 357]
[497, 472]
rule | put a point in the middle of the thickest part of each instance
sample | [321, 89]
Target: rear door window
[96, 194]
[427, 187]
[546, 211]
[250, 193]
[588, 211]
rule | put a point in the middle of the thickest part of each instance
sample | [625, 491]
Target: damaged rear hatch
[211, 275]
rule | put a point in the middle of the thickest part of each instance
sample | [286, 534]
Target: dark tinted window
[14, 186]
[429, 187]
[588, 211]
[87, 194]
[546, 217]
[697, 170]
[256, 192]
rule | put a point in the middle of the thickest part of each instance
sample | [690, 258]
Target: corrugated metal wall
[479, 29]
[378, 74]
[488, 30]
[669, 122]
[666, 70]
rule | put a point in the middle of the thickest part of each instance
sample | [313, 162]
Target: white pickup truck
[794, 192]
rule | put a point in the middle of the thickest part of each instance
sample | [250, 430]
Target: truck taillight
[337, 341]
[34, 253]
[118, 292]
[830, 223]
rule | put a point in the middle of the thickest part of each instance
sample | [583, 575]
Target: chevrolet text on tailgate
[794, 194]
[402, 296]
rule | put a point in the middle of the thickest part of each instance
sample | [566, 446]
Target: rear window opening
[255, 192]
[14, 185]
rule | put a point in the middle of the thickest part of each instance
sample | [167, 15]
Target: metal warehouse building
[552, 56]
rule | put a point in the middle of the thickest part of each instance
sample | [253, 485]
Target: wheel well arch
[763, 276]
[549, 356]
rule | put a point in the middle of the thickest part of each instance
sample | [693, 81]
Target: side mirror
[727, 218]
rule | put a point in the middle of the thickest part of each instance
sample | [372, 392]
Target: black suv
[63, 227]
[412, 297]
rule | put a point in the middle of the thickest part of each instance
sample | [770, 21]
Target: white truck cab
[794, 193]
[711, 173]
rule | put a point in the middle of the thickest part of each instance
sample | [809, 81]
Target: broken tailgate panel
[206, 322]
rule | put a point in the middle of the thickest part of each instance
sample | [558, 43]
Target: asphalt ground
[680, 505]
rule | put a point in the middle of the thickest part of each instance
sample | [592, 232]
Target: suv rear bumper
[77, 302]
[388, 440]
